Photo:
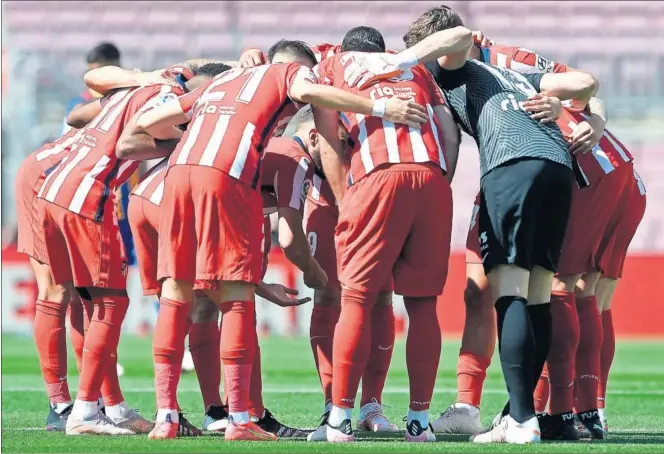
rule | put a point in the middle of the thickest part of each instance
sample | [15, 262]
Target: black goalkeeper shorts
[524, 209]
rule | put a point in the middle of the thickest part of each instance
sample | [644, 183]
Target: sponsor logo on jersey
[543, 64]
[305, 189]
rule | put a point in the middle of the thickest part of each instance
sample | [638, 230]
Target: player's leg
[542, 391]
[383, 333]
[605, 289]
[420, 274]
[367, 218]
[477, 343]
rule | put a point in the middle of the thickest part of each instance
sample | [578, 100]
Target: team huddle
[363, 199]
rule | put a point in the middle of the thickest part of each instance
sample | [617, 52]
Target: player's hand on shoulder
[251, 58]
[282, 296]
[367, 69]
[480, 40]
[543, 108]
[405, 111]
[584, 138]
[314, 276]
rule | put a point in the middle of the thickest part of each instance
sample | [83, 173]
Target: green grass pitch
[635, 403]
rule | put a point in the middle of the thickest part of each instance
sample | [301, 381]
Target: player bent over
[211, 198]
[389, 229]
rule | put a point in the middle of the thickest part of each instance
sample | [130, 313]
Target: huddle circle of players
[362, 192]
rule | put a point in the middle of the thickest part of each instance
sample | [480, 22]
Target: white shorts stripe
[52, 193]
[365, 152]
[50, 175]
[213, 146]
[242, 151]
[391, 141]
[158, 194]
[298, 182]
[87, 183]
[434, 129]
[191, 140]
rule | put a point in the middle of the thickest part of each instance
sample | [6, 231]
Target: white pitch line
[313, 390]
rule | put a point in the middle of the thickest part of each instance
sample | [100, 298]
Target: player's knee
[384, 299]
[55, 294]
[177, 290]
[236, 291]
[508, 280]
[328, 297]
[204, 310]
[565, 283]
[475, 297]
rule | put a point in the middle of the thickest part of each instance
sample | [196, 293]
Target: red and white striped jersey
[521, 60]
[151, 186]
[321, 193]
[233, 116]
[51, 153]
[377, 141]
[85, 179]
[287, 172]
[608, 155]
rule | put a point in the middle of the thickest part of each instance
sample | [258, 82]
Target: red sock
[77, 333]
[380, 355]
[606, 358]
[256, 406]
[321, 333]
[110, 387]
[588, 353]
[238, 348]
[562, 355]
[170, 332]
[51, 339]
[351, 345]
[471, 373]
[423, 346]
[101, 342]
[204, 341]
[542, 390]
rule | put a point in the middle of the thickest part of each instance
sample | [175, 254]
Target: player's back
[232, 117]
[84, 180]
[488, 106]
[377, 141]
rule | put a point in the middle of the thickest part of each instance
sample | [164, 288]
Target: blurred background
[46, 50]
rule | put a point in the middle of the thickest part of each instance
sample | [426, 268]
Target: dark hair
[356, 35]
[211, 69]
[436, 19]
[294, 47]
[104, 54]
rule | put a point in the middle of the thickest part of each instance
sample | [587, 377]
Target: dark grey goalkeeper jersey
[485, 101]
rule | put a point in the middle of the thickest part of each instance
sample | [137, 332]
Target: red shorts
[266, 245]
[30, 233]
[613, 249]
[590, 215]
[79, 250]
[473, 240]
[144, 222]
[320, 221]
[210, 228]
[396, 223]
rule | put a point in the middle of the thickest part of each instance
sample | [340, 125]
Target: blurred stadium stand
[622, 42]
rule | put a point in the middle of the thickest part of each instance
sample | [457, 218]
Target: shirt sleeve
[292, 181]
[188, 100]
[524, 60]
[295, 72]
[534, 80]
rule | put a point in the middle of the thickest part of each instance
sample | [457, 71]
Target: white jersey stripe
[124, 167]
[639, 182]
[214, 144]
[242, 151]
[434, 129]
[87, 183]
[391, 141]
[191, 140]
[105, 126]
[50, 175]
[315, 190]
[140, 189]
[365, 152]
[617, 147]
[417, 144]
[298, 182]
[58, 148]
[109, 105]
[158, 193]
[603, 160]
[81, 153]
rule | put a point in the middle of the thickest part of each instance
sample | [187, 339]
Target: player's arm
[576, 86]
[107, 78]
[331, 150]
[136, 144]
[304, 90]
[161, 121]
[451, 137]
[450, 47]
[196, 63]
[83, 113]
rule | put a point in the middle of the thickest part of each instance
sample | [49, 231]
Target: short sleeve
[292, 181]
[527, 61]
[188, 100]
[295, 72]
[534, 79]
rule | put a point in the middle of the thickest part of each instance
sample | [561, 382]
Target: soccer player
[84, 249]
[389, 230]
[512, 258]
[221, 149]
